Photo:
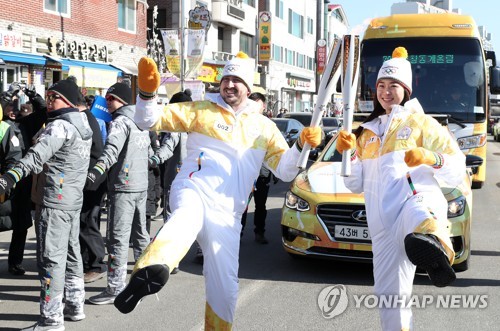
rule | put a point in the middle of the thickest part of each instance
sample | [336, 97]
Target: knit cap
[181, 97]
[122, 92]
[397, 68]
[242, 67]
[67, 90]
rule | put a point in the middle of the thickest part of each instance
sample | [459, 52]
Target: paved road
[278, 292]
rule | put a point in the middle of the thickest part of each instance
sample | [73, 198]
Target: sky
[485, 13]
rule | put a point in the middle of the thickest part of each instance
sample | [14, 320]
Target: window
[295, 24]
[301, 61]
[277, 53]
[310, 63]
[247, 44]
[220, 39]
[249, 2]
[290, 57]
[310, 23]
[59, 7]
[126, 15]
[279, 9]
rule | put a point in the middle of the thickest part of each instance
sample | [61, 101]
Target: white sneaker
[73, 314]
[103, 298]
[39, 327]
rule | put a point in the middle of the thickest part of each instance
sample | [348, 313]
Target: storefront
[299, 91]
[43, 71]
[94, 78]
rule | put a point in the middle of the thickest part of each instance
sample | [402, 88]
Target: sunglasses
[53, 97]
[110, 98]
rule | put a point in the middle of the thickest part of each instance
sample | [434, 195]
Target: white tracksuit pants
[393, 272]
[196, 217]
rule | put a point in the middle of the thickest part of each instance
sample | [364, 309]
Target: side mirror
[293, 131]
[473, 162]
[495, 80]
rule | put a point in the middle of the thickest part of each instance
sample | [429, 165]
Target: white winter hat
[242, 67]
[397, 68]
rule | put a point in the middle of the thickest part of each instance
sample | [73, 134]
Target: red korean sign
[321, 57]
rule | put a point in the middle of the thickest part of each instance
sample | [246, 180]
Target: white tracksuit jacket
[394, 207]
[225, 151]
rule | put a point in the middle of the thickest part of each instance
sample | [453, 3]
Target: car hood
[323, 179]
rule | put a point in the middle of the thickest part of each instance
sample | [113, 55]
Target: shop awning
[91, 65]
[127, 69]
[91, 74]
[7, 56]
[55, 60]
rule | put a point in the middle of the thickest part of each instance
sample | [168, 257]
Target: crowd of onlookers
[61, 167]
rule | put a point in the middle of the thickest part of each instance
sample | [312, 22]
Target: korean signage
[264, 36]
[199, 18]
[11, 41]
[66, 48]
[321, 58]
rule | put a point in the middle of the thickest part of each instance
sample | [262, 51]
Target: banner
[194, 46]
[100, 109]
[172, 44]
[264, 36]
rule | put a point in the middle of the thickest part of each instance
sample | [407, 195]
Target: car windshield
[446, 79]
[495, 110]
[331, 154]
[330, 121]
[304, 118]
[281, 125]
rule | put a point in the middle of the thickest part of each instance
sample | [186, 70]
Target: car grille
[341, 214]
[332, 214]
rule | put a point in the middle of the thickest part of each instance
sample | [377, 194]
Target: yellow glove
[345, 141]
[310, 135]
[148, 78]
[417, 156]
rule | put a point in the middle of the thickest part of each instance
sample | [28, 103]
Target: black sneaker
[17, 270]
[199, 255]
[427, 252]
[259, 237]
[145, 281]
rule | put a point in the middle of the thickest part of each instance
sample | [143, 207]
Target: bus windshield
[448, 74]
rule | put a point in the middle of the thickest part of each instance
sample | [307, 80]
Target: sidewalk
[19, 295]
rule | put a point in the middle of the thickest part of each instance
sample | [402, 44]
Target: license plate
[352, 232]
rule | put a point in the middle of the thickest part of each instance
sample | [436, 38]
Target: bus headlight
[472, 141]
[294, 202]
[456, 207]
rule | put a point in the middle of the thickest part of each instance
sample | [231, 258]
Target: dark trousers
[16, 249]
[260, 197]
[91, 241]
[21, 220]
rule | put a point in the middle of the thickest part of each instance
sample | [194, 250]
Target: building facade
[284, 54]
[98, 42]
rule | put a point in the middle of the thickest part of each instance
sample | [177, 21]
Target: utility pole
[181, 53]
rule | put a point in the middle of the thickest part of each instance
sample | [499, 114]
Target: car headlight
[294, 202]
[472, 141]
[456, 207]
